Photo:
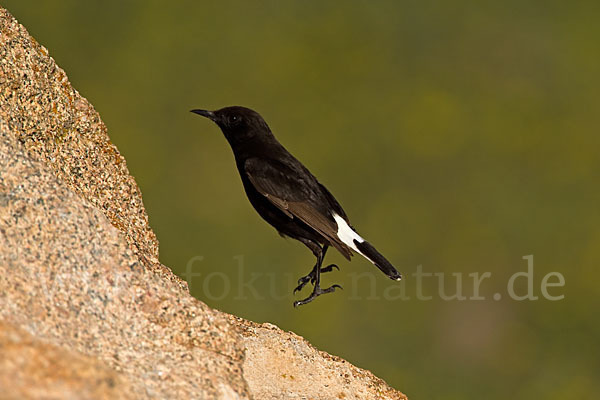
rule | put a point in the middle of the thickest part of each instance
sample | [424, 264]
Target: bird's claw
[303, 281]
[312, 277]
[330, 268]
[332, 288]
[299, 287]
[316, 293]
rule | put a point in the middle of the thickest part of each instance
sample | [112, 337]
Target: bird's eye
[234, 119]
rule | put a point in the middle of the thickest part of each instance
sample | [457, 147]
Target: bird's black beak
[208, 114]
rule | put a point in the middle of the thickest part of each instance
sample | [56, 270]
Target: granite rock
[34, 369]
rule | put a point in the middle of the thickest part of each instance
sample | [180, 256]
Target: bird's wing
[298, 194]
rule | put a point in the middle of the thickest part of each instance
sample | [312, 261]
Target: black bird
[289, 197]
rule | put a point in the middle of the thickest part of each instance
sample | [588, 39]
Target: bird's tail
[350, 238]
[369, 252]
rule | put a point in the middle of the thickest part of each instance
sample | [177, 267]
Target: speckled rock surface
[68, 135]
[283, 365]
[68, 276]
[81, 288]
[33, 369]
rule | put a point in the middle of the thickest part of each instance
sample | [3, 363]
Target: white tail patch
[347, 235]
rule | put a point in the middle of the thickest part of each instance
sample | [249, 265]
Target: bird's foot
[316, 293]
[312, 276]
[330, 268]
[302, 282]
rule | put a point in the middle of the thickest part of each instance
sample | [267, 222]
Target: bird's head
[239, 124]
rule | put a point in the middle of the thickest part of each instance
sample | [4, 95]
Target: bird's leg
[312, 276]
[315, 277]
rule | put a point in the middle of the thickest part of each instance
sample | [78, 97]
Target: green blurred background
[460, 136]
